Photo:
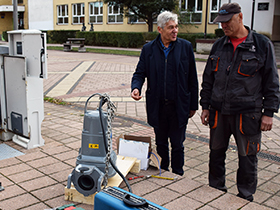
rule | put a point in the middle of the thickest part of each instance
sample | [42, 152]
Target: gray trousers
[246, 130]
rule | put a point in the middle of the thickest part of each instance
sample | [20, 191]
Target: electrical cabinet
[4, 134]
[23, 71]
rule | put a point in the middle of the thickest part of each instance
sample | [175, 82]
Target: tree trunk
[150, 27]
[150, 23]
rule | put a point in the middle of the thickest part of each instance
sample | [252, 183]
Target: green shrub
[188, 36]
[219, 32]
[193, 36]
[117, 39]
[60, 36]
[113, 39]
[150, 35]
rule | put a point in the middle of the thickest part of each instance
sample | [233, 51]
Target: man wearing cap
[240, 93]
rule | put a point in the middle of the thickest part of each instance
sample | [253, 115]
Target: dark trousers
[168, 128]
[246, 130]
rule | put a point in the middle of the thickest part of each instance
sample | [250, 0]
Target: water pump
[96, 160]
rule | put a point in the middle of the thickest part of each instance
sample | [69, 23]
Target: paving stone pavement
[36, 180]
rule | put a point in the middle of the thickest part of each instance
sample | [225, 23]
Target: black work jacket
[152, 61]
[245, 82]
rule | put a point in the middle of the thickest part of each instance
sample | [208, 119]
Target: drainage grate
[8, 152]
[269, 156]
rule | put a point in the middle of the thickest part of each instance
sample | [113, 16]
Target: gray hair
[165, 17]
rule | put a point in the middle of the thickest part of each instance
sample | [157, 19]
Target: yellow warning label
[93, 146]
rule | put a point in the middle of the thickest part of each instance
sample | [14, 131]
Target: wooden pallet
[124, 164]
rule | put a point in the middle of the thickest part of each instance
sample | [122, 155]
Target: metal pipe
[253, 14]
[15, 14]
[206, 17]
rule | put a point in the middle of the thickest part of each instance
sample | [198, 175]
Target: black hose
[106, 145]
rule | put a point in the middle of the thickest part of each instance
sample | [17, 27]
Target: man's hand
[135, 95]
[205, 116]
[191, 114]
[266, 124]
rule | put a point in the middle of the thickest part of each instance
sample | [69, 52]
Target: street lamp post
[15, 15]
[253, 14]
[206, 17]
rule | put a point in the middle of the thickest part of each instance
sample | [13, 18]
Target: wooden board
[124, 164]
[73, 195]
[136, 167]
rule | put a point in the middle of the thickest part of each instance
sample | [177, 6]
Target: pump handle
[99, 94]
[129, 202]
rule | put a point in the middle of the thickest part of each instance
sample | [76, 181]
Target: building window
[134, 19]
[78, 13]
[96, 12]
[114, 14]
[192, 9]
[214, 9]
[62, 14]
[20, 1]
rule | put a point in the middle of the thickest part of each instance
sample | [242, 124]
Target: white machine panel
[16, 104]
[4, 134]
[22, 70]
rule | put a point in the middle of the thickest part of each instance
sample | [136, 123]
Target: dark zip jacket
[152, 61]
[243, 83]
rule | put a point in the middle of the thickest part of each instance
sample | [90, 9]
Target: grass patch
[201, 59]
[104, 51]
[55, 101]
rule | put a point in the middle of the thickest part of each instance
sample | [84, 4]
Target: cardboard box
[152, 154]
[137, 149]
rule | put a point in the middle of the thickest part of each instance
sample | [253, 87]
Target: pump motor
[93, 164]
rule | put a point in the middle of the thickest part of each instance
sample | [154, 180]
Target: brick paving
[36, 180]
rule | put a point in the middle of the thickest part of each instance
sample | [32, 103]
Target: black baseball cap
[226, 12]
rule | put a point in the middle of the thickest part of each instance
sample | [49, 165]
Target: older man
[240, 93]
[172, 89]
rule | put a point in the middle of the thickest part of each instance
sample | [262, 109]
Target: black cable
[106, 145]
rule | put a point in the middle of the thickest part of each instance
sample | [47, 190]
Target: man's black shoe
[181, 174]
[166, 169]
[224, 188]
[248, 198]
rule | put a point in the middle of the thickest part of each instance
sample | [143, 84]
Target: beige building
[263, 16]
[6, 15]
[71, 14]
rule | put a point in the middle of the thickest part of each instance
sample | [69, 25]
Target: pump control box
[23, 68]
